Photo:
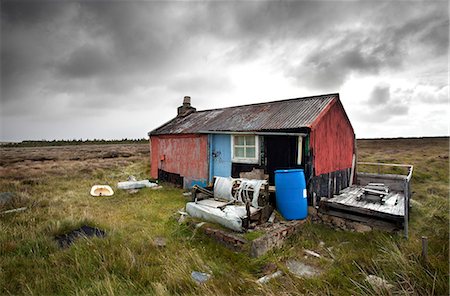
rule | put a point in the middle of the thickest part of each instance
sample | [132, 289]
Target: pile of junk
[235, 203]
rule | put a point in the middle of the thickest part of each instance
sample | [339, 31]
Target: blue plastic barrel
[290, 191]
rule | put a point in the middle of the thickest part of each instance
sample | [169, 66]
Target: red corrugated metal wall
[186, 155]
[332, 140]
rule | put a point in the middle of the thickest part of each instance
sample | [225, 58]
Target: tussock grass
[127, 262]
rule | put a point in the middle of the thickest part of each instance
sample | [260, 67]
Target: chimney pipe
[186, 108]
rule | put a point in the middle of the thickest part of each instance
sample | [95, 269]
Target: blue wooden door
[221, 155]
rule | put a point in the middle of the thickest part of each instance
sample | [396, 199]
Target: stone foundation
[319, 216]
[275, 236]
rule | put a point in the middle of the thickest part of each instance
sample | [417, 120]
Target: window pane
[239, 140]
[250, 152]
[239, 152]
[250, 140]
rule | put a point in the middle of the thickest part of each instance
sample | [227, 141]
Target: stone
[199, 225]
[339, 222]
[182, 219]
[361, 228]
[312, 211]
[200, 277]
[378, 284]
[301, 269]
[326, 219]
[269, 268]
[6, 198]
[274, 238]
[159, 241]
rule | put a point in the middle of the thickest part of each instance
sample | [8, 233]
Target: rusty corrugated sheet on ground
[277, 115]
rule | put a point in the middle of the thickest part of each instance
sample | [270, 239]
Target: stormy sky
[118, 69]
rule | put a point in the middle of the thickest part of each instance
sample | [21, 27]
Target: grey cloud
[30, 12]
[380, 95]
[329, 66]
[85, 62]
[382, 106]
[374, 47]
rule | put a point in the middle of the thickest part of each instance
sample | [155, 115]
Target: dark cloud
[117, 54]
[30, 12]
[369, 49]
[86, 61]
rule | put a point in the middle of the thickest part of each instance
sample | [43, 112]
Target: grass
[127, 262]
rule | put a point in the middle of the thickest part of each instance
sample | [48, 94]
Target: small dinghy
[101, 190]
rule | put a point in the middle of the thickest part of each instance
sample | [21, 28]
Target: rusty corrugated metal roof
[270, 116]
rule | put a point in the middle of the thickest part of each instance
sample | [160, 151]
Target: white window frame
[246, 159]
[300, 150]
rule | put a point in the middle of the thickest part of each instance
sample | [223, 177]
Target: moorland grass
[127, 262]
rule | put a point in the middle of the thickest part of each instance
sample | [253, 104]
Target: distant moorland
[42, 143]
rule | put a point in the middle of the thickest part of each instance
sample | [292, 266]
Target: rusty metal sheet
[277, 115]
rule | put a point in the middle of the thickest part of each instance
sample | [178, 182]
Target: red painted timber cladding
[332, 140]
[186, 155]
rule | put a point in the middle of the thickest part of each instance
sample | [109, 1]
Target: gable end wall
[332, 140]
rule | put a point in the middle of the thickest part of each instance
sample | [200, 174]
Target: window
[245, 148]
